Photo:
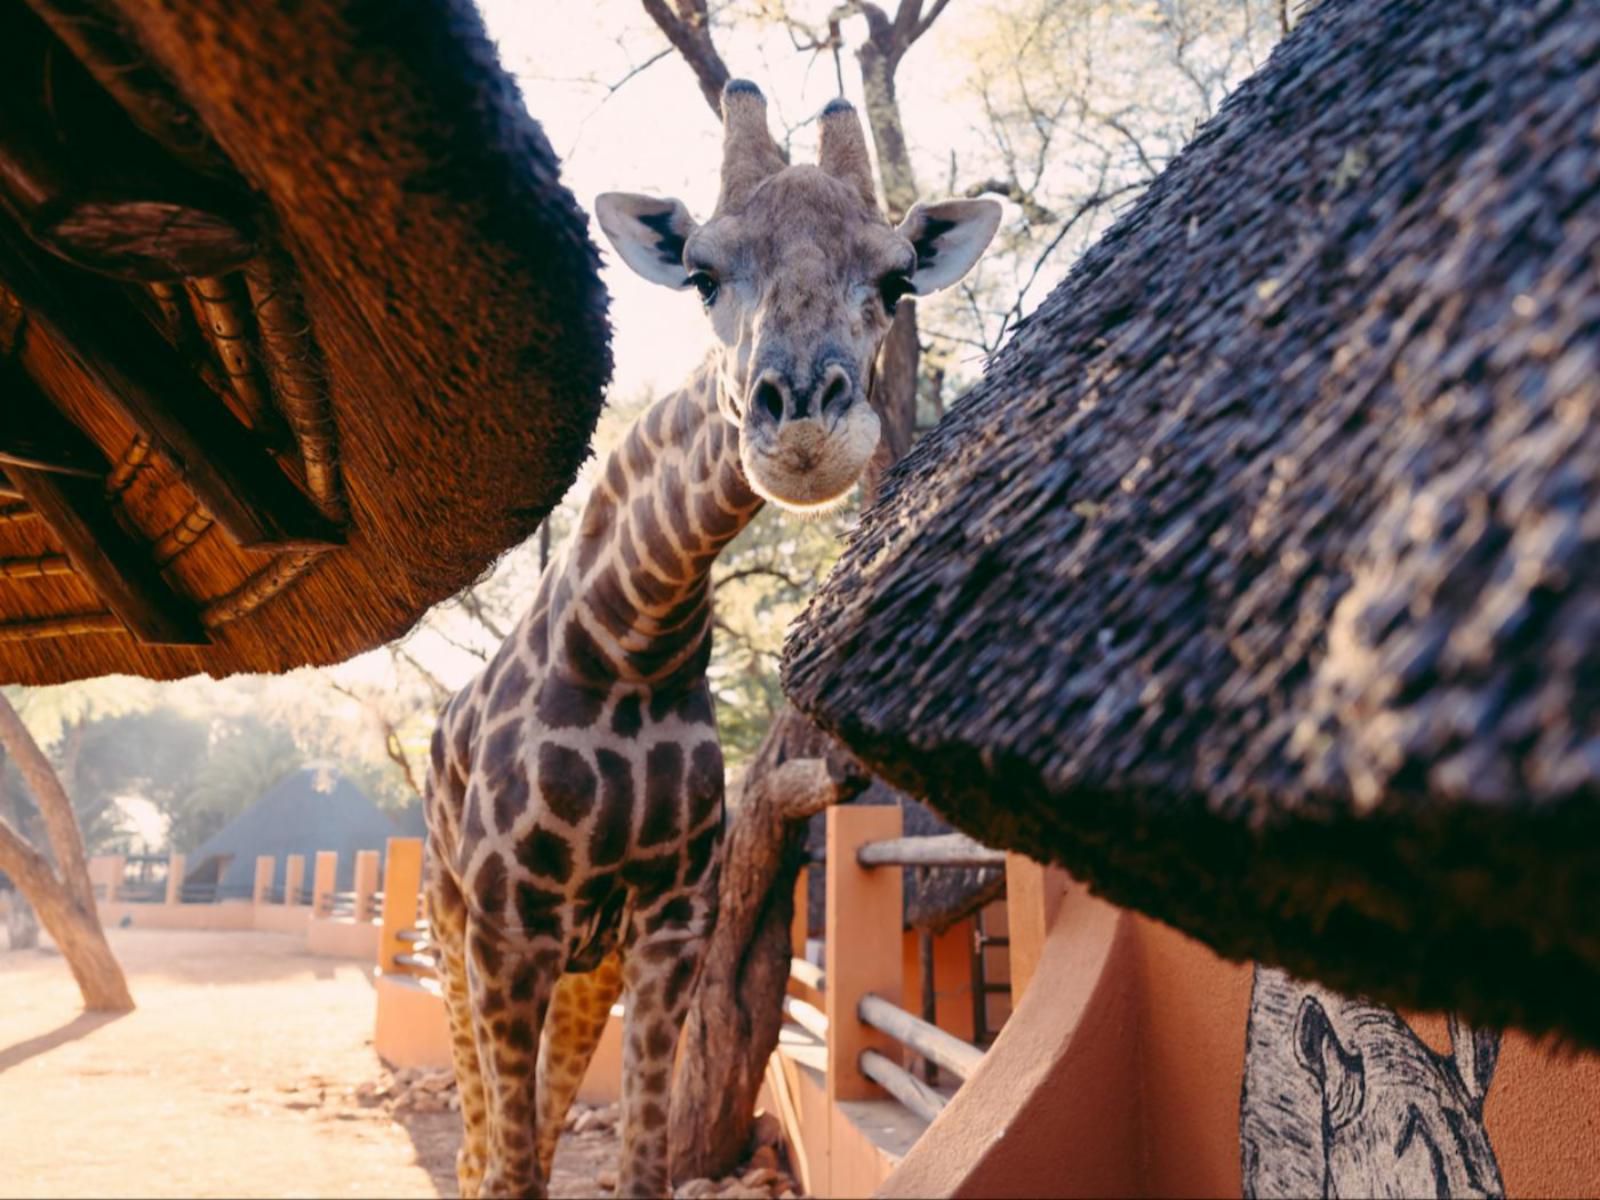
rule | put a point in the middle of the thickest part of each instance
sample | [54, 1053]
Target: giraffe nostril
[835, 396]
[769, 399]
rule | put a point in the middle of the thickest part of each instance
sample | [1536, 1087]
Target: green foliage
[243, 760]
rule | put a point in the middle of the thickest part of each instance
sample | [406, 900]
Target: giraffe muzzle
[805, 450]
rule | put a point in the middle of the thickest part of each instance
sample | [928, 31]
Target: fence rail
[902, 1085]
[960, 1058]
[940, 850]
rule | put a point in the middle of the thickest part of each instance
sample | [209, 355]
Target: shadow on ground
[80, 1026]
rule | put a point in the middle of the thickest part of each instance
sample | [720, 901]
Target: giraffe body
[575, 788]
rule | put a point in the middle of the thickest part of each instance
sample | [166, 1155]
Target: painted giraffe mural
[575, 789]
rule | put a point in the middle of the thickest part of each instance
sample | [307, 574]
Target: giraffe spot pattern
[626, 718]
[546, 854]
[598, 516]
[608, 840]
[656, 546]
[537, 911]
[510, 791]
[609, 603]
[539, 636]
[663, 780]
[567, 705]
[490, 886]
[566, 782]
[651, 876]
[584, 655]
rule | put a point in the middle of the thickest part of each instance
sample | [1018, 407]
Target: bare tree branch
[689, 31]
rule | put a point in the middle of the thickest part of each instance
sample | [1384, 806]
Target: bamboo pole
[943, 850]
[960, 1058]
[902, 1085]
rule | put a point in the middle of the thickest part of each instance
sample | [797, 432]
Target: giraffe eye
[891, 287]
[705, 283]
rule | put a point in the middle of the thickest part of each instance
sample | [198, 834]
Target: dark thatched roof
[309, 810]
[298, 329]
[1259, 582]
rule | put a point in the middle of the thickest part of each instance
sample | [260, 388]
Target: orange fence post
[266, 867]
[402, 885]
[294, 876]
[366, 884]
[175, 879]
[1033, 894]
[323, 877]
[863, 950]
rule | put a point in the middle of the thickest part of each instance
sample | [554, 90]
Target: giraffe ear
[648, 233]
[948, 236]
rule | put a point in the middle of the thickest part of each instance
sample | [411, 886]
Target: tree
[60, 894]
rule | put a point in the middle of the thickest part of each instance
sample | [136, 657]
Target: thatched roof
[298, 329]
[311, 809]
[1259, 581]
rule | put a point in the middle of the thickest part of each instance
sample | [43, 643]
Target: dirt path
[237, 1075]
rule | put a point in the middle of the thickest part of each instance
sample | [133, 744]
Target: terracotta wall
[1541, 1113]
[1121, 1074]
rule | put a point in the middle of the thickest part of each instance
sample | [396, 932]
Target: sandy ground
[236, 1076]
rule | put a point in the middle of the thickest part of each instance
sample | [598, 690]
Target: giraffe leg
[659, 972]
[447, 922]
[579, 1008]
[509, 984]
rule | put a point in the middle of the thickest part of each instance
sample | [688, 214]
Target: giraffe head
[799, 272]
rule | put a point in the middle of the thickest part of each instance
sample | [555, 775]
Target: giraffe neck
[631, 599]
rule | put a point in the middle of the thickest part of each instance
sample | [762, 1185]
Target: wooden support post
[221, 462]
[175, 868]
[366, 883]
[324, 877]
[294, 876]
[266, 867]
[1033, 896]
[109, 560]
[402, 887]
[865, 916]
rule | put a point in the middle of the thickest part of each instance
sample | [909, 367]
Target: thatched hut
[298, 329]
[1259, 582]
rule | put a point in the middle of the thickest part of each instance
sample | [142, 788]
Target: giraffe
[575, 788]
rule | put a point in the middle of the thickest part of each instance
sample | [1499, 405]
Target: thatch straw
[426, 319]
[1257, 583]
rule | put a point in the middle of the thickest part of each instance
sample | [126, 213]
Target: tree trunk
[894, 397]
[895, 385]
[65, 903]
[737, 1012]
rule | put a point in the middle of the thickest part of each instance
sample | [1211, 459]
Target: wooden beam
[110, 561]
[140, 375]
[88, 186]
